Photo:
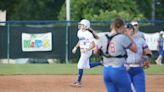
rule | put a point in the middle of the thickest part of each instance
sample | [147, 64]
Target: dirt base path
[61, 83]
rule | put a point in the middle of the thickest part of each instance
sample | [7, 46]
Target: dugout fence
[63, 38]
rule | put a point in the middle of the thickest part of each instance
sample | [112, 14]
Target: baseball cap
[129, 26]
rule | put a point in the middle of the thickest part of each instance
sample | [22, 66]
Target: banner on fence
[37, 42]
[2, 17]
[152, 40]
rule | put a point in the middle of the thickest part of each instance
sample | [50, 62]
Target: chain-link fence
[63, 38]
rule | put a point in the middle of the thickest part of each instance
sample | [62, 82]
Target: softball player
[86, 43]
[160, 48]
[136, 28]
[113, 51]
[136, 61]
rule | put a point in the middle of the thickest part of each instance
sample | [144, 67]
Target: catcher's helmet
[85, 22]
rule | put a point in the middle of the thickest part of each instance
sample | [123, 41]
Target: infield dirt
[61, 83]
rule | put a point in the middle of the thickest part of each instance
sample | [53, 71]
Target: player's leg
[131, 79]
[121, 79]
[139, 80]
[162, 57]
[95, 64]
[82, 64]
[161, 54]
[77, 83]
[107, 81]
[84, 61]
[80, 74]
[131, 74]
[159, 59]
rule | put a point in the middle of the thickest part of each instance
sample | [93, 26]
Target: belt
[134, 65]
[113, 66]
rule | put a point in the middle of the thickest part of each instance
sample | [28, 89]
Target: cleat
[158, 63]
[76, 84]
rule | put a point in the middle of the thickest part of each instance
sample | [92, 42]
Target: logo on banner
[37, 42]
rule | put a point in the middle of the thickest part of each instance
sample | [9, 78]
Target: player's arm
[147, 51]
[132, 46]
[97, 51]
[75, 47]
[98, 46]
[147, 57]
[92, 45]
[158, 46]
[147, 54]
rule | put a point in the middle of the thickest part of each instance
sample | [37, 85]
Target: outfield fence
[43, 41]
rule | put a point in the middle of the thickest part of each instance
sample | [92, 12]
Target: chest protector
[107, 54]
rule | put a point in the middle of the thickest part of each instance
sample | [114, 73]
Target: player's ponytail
[117, 24]
[93, 33]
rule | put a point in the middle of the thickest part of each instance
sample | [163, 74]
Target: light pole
[67, 26]
[153, 10]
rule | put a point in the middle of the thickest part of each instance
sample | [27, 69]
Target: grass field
[55, 69]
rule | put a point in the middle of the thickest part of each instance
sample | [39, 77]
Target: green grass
[155, 69]
[54, 69]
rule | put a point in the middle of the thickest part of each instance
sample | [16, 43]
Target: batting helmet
[85, 22]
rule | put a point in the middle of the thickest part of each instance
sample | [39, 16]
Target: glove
[74, 50]
[146, 64]
[147, 59]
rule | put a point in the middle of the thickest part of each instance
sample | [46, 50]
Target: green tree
[7, 4]
[145, 7]
[159, 9]
[31, 9]
[102, 10]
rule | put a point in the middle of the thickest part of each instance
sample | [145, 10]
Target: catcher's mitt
[146, 64]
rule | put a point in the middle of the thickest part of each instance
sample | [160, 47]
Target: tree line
[90, 9]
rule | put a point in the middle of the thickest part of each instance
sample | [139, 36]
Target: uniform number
[112, 47]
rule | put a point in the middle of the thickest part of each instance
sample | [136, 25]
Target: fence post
[8, 42]
[66, 43]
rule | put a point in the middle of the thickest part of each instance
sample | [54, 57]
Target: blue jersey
[160, 41]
